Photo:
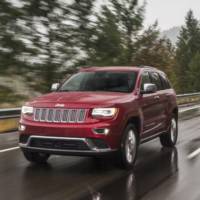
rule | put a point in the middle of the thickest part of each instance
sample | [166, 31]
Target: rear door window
[155, 79]
[165, 82]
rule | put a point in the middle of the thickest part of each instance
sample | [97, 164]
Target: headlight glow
[27, 110]
[104, 112]
[22, 127]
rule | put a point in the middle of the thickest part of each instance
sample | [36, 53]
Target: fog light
[101, 131]
[22, 127]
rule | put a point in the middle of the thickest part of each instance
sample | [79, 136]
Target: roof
[114, 68]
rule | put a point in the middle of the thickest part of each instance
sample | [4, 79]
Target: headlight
[104, 112]
[27, 110]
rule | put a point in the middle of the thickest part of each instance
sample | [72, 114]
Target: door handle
[156, 97]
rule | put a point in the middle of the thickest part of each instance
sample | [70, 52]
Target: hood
[82, 99]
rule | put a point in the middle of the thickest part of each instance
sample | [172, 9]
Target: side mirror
[55, 87]
[149, 88]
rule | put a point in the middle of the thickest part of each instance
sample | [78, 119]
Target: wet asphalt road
[160, 173]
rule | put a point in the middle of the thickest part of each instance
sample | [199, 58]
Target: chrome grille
[59, 115]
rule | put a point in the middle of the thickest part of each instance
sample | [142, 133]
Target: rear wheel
[129, 147]
[169, 139]
[36, 157]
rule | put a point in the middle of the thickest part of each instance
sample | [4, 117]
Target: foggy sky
[170, 13]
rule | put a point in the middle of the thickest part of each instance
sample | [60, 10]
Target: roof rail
[148, 67]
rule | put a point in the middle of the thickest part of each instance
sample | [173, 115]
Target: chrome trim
[43, 110]
[74, 115]
[70, 116]
[156, 126]
[54, 115]
[50, 121]
[71, 151]
[151, 137]
[58, 105]
[91, 146]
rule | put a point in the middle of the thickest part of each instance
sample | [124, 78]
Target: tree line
[45, 40]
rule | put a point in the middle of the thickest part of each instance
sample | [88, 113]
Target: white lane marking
[194, 154]
[10, 149]
[187, 109]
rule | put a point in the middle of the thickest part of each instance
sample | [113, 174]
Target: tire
[36, 157]
[129, 147]
[170, 138]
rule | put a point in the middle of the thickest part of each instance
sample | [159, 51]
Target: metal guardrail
[182, 99]
[189, 98]
[188, 95]
[10, 113]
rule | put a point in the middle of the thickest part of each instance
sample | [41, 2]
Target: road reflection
[79, 178]
[135, 184]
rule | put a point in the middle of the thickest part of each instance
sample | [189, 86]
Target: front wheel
[36, 157]
[129, 147]
[169, 139]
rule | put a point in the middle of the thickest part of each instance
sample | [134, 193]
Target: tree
[152, 50]
[187, 47]
[81, 18]
[105, 47]
[193, 74]
[81, 12]
[48, 35]
[130, 20]
[112, 36]
[57, 32]
[11, 47]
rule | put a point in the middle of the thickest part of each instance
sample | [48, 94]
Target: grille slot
[59, 144]
[59, 115]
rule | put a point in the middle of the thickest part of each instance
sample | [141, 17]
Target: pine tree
[49, 38]
[152, 50]
[187, 47]
[193, 74]
[81, 12]
[106, 46]
[130, 21]
[11, 47]
[113, 34]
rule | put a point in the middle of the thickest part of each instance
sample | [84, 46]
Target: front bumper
[65, 145]
[82, 130]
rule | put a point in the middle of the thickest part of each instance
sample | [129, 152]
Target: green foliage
[11, 47]
[45, 39]
[80, 14]
[105, 48]
[130, 21]
[9, 97]
[153, 50]
[187, 47]
[49, 39]
[193, 74]
[114, 33]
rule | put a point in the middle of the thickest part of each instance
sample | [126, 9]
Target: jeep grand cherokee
[100, 110]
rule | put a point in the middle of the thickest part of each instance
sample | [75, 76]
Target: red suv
[101, 110]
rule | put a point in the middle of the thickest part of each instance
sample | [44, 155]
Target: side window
[165, 82]
[145, 79]
[155, 79]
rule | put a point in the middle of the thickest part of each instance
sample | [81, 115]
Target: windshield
[101, 81]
